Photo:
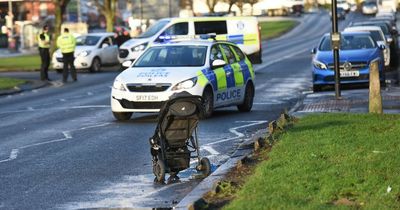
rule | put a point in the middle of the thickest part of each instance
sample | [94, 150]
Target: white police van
[216, 70]
[243, 31]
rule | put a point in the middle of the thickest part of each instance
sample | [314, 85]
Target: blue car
[357, 51]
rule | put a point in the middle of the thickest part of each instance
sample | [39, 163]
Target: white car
[378, 35]
[343, 4]
[92, 52]
[218, 71]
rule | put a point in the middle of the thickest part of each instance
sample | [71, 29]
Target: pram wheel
[159, 171]
[204, 167]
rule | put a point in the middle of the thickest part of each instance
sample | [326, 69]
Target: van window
[206, 27]
[152, 30]
[178, 29]
[228, 53]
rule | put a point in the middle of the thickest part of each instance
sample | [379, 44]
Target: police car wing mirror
[218, 63]
[127, 64]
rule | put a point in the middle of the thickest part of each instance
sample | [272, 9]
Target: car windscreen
[87, 40]
[177, 56]
[152, 30]
[349, 42]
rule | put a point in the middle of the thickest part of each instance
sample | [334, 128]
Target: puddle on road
[138, 192]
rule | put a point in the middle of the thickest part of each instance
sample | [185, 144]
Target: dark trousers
[68, 60]
[45, 58]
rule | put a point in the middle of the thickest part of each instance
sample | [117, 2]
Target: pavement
[352, 101]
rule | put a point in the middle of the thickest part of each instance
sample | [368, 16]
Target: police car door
[234, 77]
[220, 83]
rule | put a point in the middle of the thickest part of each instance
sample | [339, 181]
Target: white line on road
[67, 135]
[57, 108]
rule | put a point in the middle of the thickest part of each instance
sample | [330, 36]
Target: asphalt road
[60, 146]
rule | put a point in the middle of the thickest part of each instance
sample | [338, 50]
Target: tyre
[122, 116]
[256, 58]
[208, 103]
[317, 88]
[248, 99]
[159, 171]
[96, 65]
[205, 167]
[60, 71]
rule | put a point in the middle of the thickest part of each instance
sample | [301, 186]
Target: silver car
[92, 51]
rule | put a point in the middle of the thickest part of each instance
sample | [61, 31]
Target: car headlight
[186, 84]
[118, 85]
[139, 47]
[84, 53]
[319, 65]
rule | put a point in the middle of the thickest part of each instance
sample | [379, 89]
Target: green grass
[25, 62]
[329, 157]
[271, 29]
[9, 83]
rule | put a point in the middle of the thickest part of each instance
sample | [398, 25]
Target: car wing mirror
[104, 45]
[218, 63]
[382, 46]
[313, 50]
[127, 64]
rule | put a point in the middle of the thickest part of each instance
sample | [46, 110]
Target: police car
[216, 70]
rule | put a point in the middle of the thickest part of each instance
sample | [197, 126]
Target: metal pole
[336, 50]
[78, 2]
[169, 8]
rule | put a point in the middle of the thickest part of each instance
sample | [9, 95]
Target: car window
[167, 56]
[178, 29]
[87, 40]
[228, 53]
[349, 42]
[376, 36]
[206, 27]
[107, 41]
[239, 53]
[215, 53]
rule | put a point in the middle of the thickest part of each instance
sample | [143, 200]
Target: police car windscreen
[173, 56]
[349, 42]
[87, 40]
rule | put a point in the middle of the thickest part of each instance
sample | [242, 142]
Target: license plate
[146, 98]
[349, 73]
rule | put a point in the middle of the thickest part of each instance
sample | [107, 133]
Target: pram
[173, 140]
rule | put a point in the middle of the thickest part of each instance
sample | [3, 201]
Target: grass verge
[9, 83]
[272, 29]
[328, 161]
[24, 62]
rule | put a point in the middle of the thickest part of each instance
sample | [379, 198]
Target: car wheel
[208, 103]
[122, 116]
[248, 99]
[96, 65]
[317, 88]
[59, 71]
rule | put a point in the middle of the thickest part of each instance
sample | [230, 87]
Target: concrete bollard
[375, 98]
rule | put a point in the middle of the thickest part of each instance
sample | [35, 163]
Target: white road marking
[237, 133]
[57, 108]
[61, 99]
[211, 150]
[89, 93]
[67, 135]
[30, 108]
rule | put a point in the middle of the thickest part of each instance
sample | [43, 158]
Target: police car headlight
[319, 65]
[139, 47]
[84, 53]
[187, 84]
[118, 85]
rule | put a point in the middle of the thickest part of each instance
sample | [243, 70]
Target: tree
[107, 8]
[251, 2]
[211, 5]
[60, 9]
[231, 3]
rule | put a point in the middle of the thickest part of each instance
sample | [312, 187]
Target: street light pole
[169, 8]
[335, 39]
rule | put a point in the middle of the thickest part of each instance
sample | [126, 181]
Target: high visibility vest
[66, 42]
[44, 43]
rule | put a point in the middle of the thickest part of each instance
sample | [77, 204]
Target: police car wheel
[122, 116]
[248, 99]
[96, 65]
[208, 105]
